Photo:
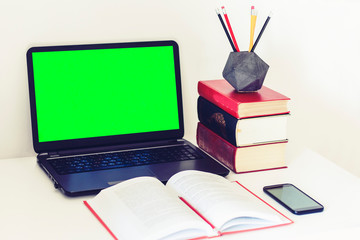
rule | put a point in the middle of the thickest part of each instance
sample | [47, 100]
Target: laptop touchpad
[128, 173]
[164, 171]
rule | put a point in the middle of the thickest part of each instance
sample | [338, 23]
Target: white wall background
[312, 48]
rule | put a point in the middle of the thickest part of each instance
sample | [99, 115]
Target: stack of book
[244, 131]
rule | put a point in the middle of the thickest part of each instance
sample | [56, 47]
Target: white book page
[141, 208]
[261, 129]
[219, 200]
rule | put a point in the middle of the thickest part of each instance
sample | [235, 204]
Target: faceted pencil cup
[245, 71]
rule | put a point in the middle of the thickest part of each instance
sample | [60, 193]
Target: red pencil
[230, 29]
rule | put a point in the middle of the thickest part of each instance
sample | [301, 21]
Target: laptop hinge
[47, 155]
[100, 149]
[54, 154]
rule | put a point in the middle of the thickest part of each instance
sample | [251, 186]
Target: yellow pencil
[252, 26]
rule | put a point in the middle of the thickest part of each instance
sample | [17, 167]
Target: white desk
[30, 207]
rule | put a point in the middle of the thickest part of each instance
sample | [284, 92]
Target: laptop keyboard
[111, 160]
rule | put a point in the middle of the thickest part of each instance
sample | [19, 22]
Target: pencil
[252, 26]
[261, 31]
[225, 29]
[230, 29]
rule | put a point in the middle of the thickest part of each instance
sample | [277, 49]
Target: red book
[241, 159]
[192, 205]
[264, 102]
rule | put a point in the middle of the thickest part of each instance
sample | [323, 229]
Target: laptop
[105, 113]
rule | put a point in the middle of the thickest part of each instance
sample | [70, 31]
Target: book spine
[217, 120]
[215, 146]
[218, 99]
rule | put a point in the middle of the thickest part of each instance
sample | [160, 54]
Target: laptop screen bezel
[54, 146]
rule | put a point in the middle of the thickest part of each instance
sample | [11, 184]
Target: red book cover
[100, 220]
[251, 158]
[222, 94]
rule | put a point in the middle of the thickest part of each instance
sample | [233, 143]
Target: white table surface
[31, 208]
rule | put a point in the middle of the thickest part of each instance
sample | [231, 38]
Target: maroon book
[250, 158]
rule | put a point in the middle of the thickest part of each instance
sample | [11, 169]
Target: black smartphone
[292, 198]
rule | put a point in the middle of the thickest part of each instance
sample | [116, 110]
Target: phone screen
[293, 199]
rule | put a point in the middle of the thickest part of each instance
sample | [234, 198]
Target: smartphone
[293, 199]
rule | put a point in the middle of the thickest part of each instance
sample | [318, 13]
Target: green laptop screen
[104, 92]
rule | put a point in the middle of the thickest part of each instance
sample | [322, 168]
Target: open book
[192, 204]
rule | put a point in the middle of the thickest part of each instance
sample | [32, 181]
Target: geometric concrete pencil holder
[245, 71]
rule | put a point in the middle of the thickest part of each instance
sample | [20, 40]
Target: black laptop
[104, 113]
